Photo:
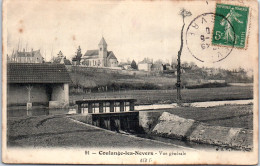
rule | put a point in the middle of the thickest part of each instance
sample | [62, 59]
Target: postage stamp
[199, 36]
[231, 30]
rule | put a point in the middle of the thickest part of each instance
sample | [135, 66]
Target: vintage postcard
[130, 82]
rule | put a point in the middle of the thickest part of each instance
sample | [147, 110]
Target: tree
[133, 65]
[184, 13]
[77, 59]
[78, 56]
[159, 62]
[192, 64]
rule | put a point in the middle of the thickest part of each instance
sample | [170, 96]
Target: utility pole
[184, 13]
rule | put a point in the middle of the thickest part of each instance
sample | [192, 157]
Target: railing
[102, 104]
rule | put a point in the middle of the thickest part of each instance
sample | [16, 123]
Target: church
[100, 57]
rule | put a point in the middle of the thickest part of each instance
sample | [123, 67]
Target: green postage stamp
[230, 26]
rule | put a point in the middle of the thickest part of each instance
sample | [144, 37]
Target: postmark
[199, 36]
[223, 33]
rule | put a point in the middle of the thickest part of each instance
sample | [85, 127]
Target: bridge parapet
[102, 103]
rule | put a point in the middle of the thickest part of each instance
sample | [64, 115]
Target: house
[157, 67]
[212, 71]
[167, 66]
[145, 65]
[100, 57]
[26, 57]
[126, 67]
[39, 84]
[61, 59]
[75, 61]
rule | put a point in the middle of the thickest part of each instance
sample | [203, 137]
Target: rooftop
[111, 55]
[37, 73]
[27, 54]
[91, 53]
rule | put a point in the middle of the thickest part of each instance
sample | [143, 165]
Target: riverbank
[238, 116]
[69, 131]
[228, 126]
[173, 126]
[61, 131]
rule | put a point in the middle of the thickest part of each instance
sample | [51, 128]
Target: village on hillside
[101, 60]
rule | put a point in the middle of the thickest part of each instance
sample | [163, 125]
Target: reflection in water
[20, 111]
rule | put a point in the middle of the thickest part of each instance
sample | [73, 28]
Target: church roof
[91, 57]
[91, 53]
[111, 55]
[102, 42]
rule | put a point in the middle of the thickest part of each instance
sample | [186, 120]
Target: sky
[132, 29]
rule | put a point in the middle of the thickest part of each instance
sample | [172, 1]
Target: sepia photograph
[130, 82]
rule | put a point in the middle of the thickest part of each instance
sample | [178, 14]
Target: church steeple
[102, 42]
[102, 48]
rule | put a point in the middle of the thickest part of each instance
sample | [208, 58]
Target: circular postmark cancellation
[199, 37]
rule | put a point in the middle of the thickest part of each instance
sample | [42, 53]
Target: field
[87, 78]
[169, 96]
[93, 78]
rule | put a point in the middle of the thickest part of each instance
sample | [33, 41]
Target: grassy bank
[175, 127]
[238, 116]
[169, 96]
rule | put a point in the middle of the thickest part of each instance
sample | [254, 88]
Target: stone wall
[60, 96]
[172, 126]
[148, 119]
